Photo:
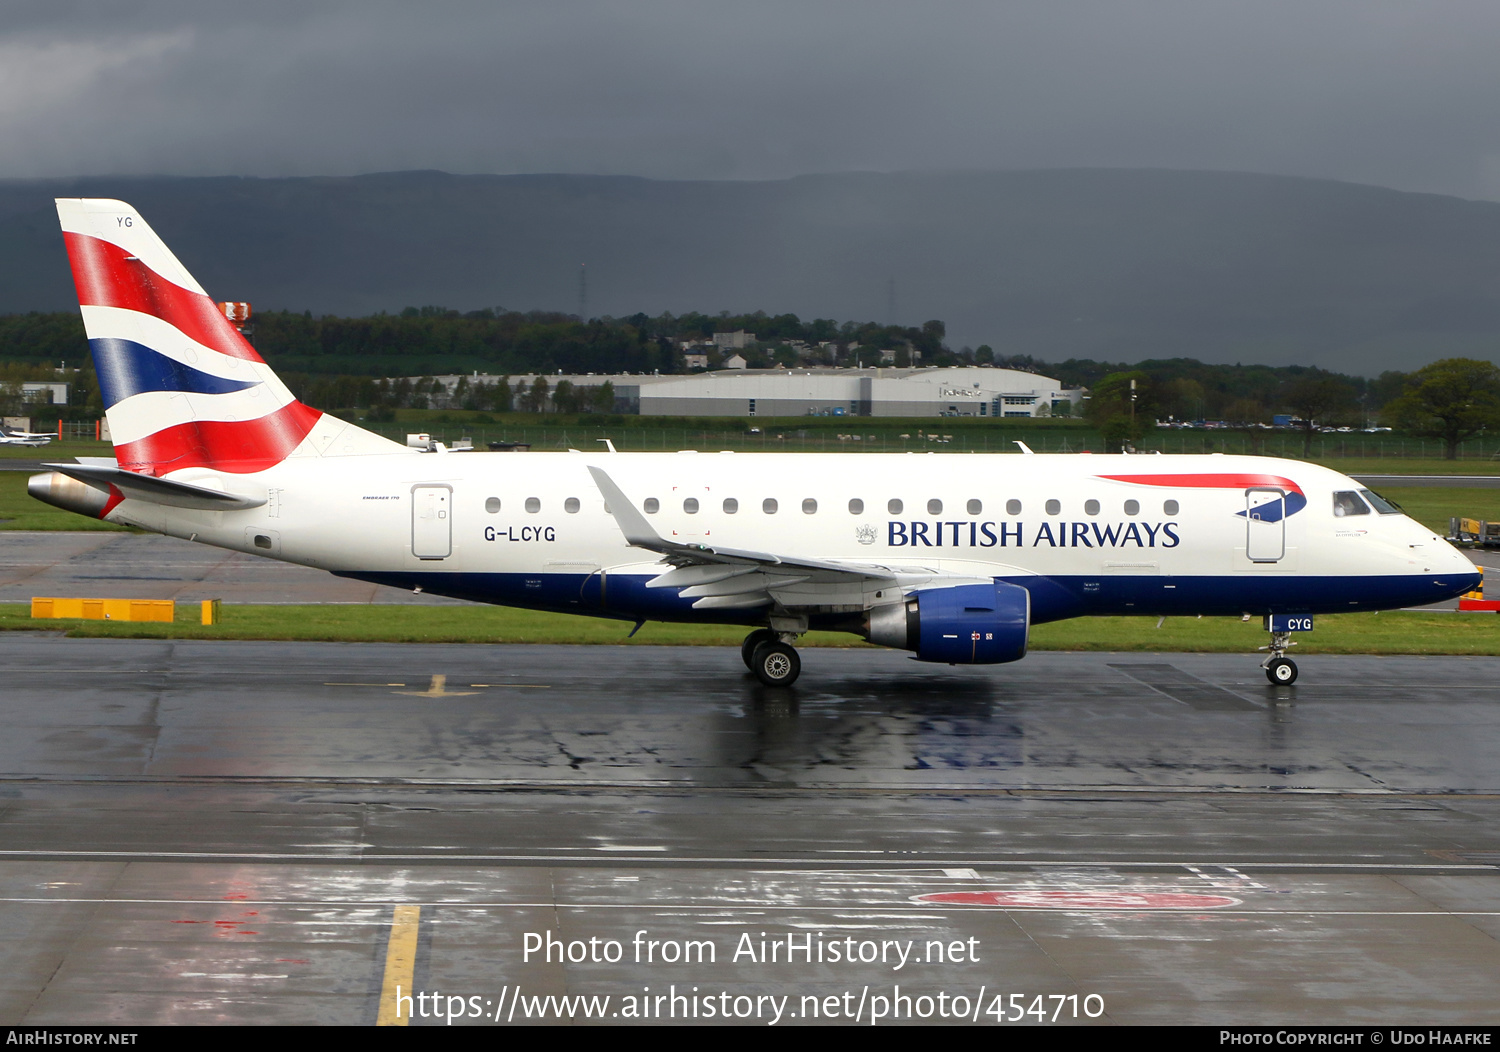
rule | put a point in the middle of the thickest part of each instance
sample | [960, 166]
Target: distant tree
[1319, 397]
[1245, 411]
[534, 399]
[1453, 399]
[602, 398]
[477, 396]
[1121, 413]
[1183, 398]
[984, 355]
[565, 397]
[1385, 389]
[504, 398]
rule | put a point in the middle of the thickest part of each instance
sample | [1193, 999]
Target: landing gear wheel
[753, 640]
[775, 664]
[1282, 672]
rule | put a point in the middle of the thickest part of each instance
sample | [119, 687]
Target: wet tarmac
[150, 566]
[249, 832]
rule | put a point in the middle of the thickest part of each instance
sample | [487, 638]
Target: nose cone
[1455, 570]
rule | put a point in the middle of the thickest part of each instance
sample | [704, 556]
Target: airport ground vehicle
[951, 556]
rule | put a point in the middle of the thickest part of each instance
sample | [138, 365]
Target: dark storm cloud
[1399, 94]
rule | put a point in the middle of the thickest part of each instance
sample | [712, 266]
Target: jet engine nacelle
[967, 624]
[69, 494]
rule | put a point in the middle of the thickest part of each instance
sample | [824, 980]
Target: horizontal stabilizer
[157, 491]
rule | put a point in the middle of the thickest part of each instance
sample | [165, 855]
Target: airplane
[11, 437]
[950, 556]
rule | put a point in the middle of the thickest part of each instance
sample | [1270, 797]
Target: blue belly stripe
[626, 597]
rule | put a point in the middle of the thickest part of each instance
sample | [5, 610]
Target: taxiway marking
[438, 689]
[400, 965]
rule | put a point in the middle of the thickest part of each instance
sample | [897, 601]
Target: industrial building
[972, 391]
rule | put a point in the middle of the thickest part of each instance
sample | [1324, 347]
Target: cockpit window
[1348, 503]
[1385, 507]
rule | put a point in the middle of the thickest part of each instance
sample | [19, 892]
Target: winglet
[632, 523]
[1024, 447]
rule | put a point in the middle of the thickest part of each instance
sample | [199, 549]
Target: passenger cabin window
[1012, 507]
[533, 505]
[894, 507]
[1347, 502]
[571, 505]
[731, 505]
[690, 505]
[1053, 507]
[975, 507]
[652, 506]
[492, 505]
[934, 507]
[856, 506]
[1091, 507]
[1385, 507]
[769, 505]
[809, 506]
[1132, 507]
[1169, 508]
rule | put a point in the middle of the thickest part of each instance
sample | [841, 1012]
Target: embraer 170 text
[953, 557]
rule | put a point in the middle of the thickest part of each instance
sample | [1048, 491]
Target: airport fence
[938, 439]
[909, 439]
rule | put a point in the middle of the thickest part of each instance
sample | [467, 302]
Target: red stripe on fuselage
[240, 446]
[106, 277]
[1244, 480]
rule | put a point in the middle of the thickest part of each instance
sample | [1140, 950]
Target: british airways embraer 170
[953, 556]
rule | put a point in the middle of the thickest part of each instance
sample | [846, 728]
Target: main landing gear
[1280, 669]
[774, 661]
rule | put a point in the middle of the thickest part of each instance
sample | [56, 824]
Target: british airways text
[1016, 534]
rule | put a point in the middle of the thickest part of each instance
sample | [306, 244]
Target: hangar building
[973, 391]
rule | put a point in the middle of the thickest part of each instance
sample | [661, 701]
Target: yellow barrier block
[105, 609]
[210, 611]
[1477, 593]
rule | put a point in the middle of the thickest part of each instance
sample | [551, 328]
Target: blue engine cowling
[967, 624]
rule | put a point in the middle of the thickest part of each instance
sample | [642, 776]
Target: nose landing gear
[1280, 669]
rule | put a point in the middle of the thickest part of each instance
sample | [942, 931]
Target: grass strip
[1395, 632]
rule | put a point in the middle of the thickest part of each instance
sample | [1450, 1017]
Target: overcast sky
[1405, 95]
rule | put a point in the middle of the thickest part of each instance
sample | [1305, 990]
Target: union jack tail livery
[181, 387]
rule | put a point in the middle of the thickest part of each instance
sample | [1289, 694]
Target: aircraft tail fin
[182, 387]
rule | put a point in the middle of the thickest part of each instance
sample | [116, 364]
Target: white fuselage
[1180, 535]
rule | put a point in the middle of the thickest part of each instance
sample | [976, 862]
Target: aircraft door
[1265, 525]
[432, 522]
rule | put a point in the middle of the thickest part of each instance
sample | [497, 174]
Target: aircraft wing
[733, 578]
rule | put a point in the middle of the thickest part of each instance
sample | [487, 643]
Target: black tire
[775, 664]
[753, 640]
[1282, 672]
